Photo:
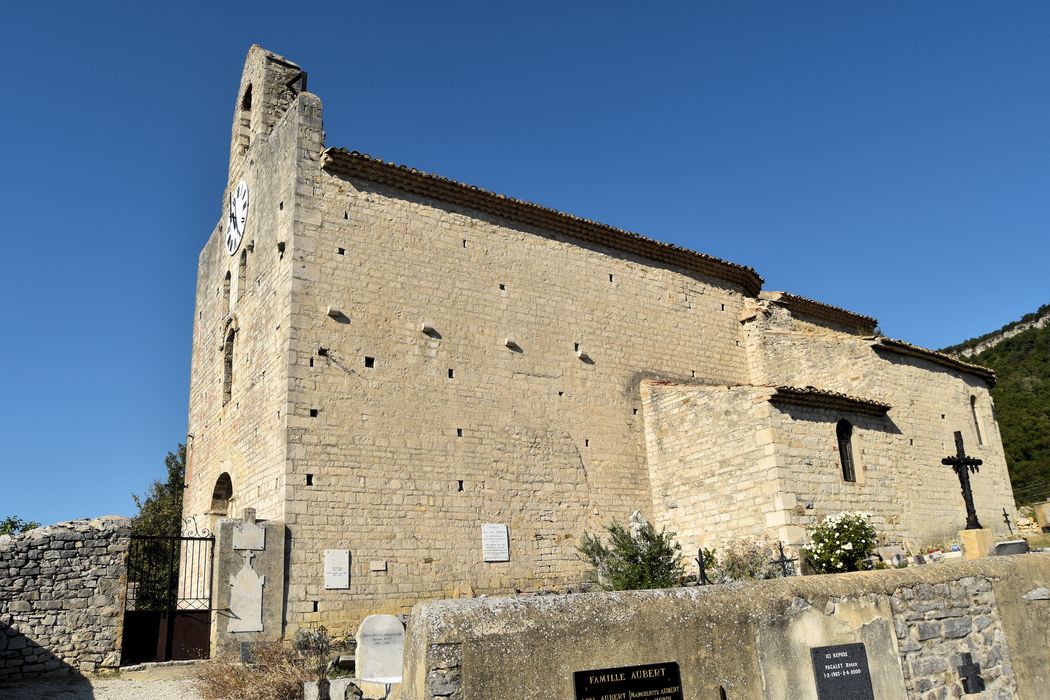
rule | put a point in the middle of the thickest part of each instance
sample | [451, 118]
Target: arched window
[976, 422]
[220, 497]
[227, 365]
[844, 431]
[226, 292]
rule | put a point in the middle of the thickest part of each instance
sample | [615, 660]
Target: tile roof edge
[905, 348]
[820, 309]
[353, 163]
[825, 398]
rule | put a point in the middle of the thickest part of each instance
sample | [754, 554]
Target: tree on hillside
[1022, 408]
[160, 508]
[13, 525]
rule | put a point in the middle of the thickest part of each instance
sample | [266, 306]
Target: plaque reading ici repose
[651, 682]
[842, 672]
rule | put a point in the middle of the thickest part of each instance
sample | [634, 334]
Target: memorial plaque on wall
[495, 543]
[842, 672]
[652, 682]
[336, 568]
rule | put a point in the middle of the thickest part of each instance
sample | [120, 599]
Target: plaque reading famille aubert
[842, 672]
[651, 682]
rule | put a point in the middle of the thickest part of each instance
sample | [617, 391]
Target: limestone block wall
[807, 449]
[929, 403]
[749, 640]
[710, 458]
[61, 597]
[403, 456]
[246, 437]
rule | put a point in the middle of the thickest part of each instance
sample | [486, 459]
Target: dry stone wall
[61, 597]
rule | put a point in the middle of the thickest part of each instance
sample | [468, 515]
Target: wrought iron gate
[167, 602]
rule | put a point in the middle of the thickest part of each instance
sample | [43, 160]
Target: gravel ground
[129, 686]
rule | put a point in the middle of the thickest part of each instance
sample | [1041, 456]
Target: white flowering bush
[840, 543]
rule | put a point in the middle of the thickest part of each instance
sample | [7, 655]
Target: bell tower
[269, 85]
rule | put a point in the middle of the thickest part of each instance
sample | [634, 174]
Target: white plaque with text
[336, 568]
[495, 542]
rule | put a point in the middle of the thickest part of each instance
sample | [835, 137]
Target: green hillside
[1022, 403]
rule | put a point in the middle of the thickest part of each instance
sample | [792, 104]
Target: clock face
[237, 217]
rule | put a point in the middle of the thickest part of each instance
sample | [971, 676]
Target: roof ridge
[940, 358]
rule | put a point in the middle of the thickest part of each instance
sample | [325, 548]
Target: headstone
[888, 553]
[380, 649]
[1011, 547]
[919, 560]
[246, 598]
[247, 535]
[841, 671]
[655, 681]
[336, 569]
[495, 542]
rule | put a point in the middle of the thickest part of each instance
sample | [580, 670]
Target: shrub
[637, 557]
[278, 673]
[747, 559]
[840, 543]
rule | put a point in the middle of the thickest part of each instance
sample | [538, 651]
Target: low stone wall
[753, 640]
[61, 597]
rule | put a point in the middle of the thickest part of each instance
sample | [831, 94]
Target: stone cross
[963, 465]
[971, 675]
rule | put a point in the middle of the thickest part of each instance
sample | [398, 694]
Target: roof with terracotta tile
[818, 309]
[353, 164]
[905, 348]
[822, 398]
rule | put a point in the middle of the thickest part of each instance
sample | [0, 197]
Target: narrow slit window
[976, 422]
[226, 292]
[844, 430]
[242, 274]
[227, 366]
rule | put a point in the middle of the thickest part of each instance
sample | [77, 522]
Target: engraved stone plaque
[380, 649]
[841, 672]
[652, 682]
[336, 568]
[495, 542]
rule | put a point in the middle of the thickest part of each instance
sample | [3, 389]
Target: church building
[453, 385]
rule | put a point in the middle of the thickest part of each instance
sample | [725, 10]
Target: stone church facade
[387, 360]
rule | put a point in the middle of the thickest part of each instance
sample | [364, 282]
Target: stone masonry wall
[61, 595]
[899, 457]
[246, 437]
[710, 461]
[937, 623]
[751, 640]
[400, 461]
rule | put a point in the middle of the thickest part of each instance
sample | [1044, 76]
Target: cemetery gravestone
[495, 543]
[380, 649]
[652, 682]
[841, 672]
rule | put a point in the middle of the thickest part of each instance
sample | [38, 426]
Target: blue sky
[892, 158]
